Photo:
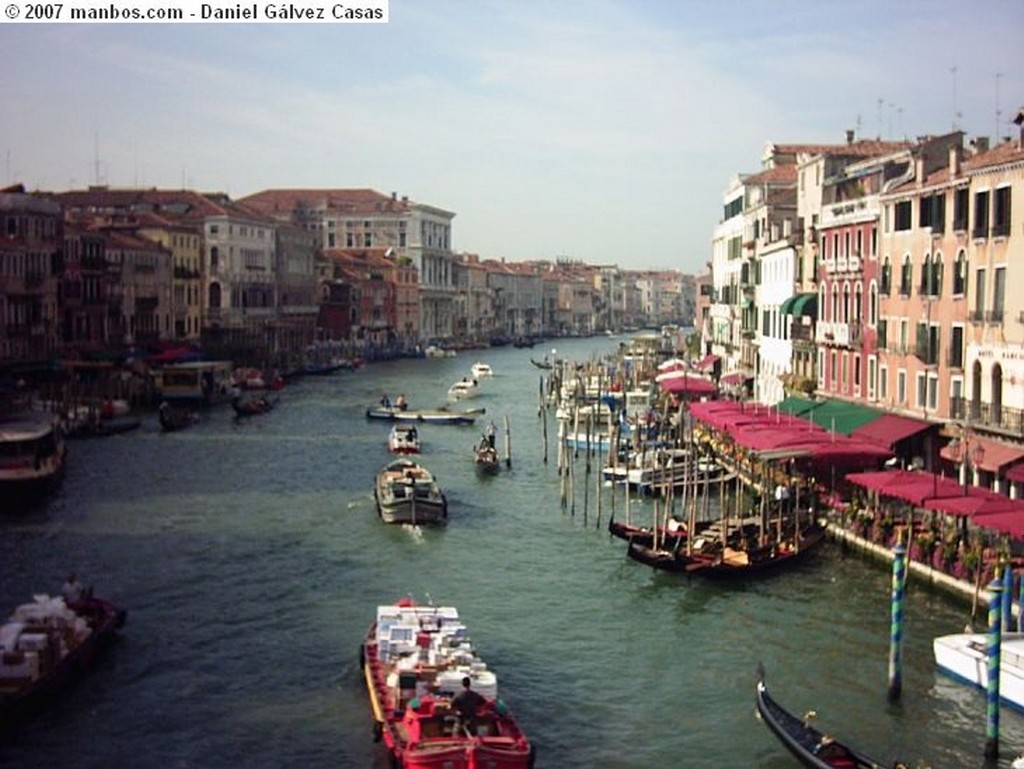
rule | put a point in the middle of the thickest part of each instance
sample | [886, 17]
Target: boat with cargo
[434, 701]
[407, 492]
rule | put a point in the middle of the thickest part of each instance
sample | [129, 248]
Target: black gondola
[252, 406]
[811, 746]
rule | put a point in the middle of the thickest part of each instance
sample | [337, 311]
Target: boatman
[466, 703]
[401, 403]
[490, 433]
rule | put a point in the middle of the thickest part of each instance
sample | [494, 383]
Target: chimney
[919, 171]
[1019, 120]
[394, 196]
[849, 136]
[954, 160]
[980, 144]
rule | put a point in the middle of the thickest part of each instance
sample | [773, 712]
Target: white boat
[964, 656]
[32, 452]
[464, 388]
[434, 351]
[481, 369]
[404, 438]
[408, 493]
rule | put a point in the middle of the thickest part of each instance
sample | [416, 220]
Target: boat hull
[105, 619]
[964, 656]
[810, 746]
[406, 493]
[413, 661]
[432, 416]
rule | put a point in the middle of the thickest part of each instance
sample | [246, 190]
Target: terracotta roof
[1007, 152]
[355, 201]
[776, 175]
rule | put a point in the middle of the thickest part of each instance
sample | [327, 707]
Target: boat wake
[415, 531]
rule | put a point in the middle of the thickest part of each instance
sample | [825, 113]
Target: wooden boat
[964, 656]
[176, 417]
[733, 560]
[407, 492]
[414, 661]
[32, 454]
[810, 746]
[45, 645]
[248, 407]
[542, 364]
[486, 459]
[441, 416]
[404, 439]
[523, 342]
[670, 536]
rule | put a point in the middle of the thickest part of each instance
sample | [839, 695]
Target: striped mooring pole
[995, 631]
[899, 581]
[1007, 596]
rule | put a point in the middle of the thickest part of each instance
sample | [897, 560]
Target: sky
[600, 130]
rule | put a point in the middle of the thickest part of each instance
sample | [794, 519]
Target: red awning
[986, 454]
[733, 379]
[890, 429]
[1016, 473]
[706, 363]
[683, 384]
[974, 504]
[1011, 523]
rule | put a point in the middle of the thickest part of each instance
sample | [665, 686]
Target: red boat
[45, 645]
[416, 660]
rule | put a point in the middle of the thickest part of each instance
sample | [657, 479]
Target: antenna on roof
[956, 113]
[998, 111]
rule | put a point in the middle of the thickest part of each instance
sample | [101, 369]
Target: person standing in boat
[490, 433]
[72, 589]
[400, 403]
[466, 704]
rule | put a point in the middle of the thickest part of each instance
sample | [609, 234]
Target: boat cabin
[202, 381]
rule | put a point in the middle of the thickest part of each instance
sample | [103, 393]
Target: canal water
[251, 560]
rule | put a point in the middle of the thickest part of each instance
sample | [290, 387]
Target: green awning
[805, 304]
[841, 416]
[795, 405]
[786, 308]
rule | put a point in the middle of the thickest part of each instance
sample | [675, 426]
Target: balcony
[994, 316]
[993, 416]
[839, 334]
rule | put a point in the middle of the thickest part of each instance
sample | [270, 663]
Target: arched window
[886, 286]
[906, 276]
[858, 303]
[835, 303]
[960, 274]
[937, 275]
[925, 287]
[214, 258]
[215, 297]
[873, 304]
[846, 303]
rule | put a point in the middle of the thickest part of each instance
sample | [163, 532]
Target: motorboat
[407, 492]
[417, 662]
[481, 369]
[464, 388]
[404, 438]
[964, 656]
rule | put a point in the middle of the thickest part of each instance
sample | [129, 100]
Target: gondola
[253, 406]
[811, 746]
[176, 417]
[732, 563]
[644, 535]
[543, 364]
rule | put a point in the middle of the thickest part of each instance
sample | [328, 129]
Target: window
[906, 276]
[883, 382]
[903, 216]
[901, 386]
[886, 285]
[961, 200]
[904, 334]
[998, 294]
[980, 215]
[933, 392]
[920, 391]
[960, 275]
[956, 347]
[835, 303]
[821, 368]
[924, 289]
[932, 212]
[833, 370]
[936, 281]
[873, 305]
[1001, 213]
[883, 329]
[856, 371]
[979, 291]
[872, 377]
[214, 258]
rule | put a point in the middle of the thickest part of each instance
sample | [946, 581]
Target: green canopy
[795, 405]
[841, 416]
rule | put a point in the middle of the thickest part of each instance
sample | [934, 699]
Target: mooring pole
[995, 631]
[896, 624]
[1007, 596]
